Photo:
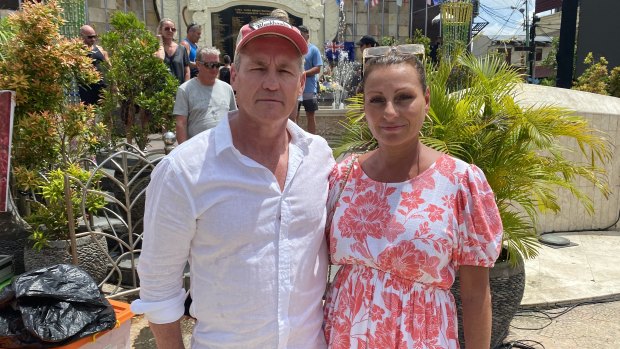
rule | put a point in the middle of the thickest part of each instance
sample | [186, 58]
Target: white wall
[603, 113]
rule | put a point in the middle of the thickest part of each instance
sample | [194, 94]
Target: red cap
[271, 26]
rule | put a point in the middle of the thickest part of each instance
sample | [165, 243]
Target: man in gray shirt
[202, 101]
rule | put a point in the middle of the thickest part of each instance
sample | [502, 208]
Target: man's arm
[313, 71]
[185, 44]
[168, 336]
[476, 300]
[181, 128]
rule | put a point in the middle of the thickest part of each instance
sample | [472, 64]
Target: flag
[372, 3]
[333, 49]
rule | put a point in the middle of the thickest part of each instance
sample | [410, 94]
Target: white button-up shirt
[258, 254]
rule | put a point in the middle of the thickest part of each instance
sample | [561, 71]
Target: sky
[502, 18]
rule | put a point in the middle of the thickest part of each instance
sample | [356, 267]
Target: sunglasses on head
[381, 51]
[210, 65]
[169, 29]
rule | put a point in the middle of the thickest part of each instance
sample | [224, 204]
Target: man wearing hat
[367, 41]
[244, 203]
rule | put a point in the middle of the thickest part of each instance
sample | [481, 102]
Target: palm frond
[474, 116]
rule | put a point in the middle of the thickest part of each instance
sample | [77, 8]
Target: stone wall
[328, 123]
[603, 113]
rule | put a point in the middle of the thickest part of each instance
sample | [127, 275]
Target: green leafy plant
[614, 82]
[50, 136]
[49, 217]
[137, 81]
[518, 148]
[595, 78]
[6, 33]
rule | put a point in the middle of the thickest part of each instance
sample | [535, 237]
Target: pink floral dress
[398, 246]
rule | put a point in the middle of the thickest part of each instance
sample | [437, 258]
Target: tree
[595, 78]
[137, 81]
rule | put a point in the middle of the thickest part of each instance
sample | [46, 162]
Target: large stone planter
[92, 256]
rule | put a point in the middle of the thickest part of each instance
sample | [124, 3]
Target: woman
[407, 217]
[173, 54]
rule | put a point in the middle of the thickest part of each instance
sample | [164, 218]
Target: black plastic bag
[51, 307]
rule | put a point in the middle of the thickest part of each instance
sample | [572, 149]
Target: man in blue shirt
[312, 67]
[194, 31]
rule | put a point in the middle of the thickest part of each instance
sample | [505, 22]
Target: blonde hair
[280, 14]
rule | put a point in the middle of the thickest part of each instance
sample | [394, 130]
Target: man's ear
[302, 82]
[233, 76]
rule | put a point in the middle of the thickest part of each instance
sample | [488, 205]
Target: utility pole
[532, 48]
[527, 24]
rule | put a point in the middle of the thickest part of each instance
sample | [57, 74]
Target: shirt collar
[223, 136]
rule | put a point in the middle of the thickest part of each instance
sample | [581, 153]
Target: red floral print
[399, 246]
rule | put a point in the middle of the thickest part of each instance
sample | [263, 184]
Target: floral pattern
[399, 246]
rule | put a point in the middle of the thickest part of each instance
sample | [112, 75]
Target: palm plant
[474, 117]
[6, 33]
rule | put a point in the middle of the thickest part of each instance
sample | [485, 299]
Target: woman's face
[395, 104]
[167, 30]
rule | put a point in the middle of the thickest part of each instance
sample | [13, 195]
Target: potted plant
[474, 116]
[138, 82]
[50, 136]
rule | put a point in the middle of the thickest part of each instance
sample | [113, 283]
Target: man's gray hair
[209, 50]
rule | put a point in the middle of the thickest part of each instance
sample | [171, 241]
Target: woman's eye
[376, 100]
[404, 98]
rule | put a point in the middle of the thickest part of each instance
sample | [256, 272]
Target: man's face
[306, 36]
[89, 36]
[208, 67]
[268, 79]
[194, 35]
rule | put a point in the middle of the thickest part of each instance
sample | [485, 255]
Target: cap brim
[291, 34]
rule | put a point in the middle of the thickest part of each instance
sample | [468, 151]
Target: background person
[91, 94]
[407, 218]
[174, 55]
[225, 70]
[280, 14]
[194, 31]
[312, 66]
[367, 41]
[245, 203]
[202, 101]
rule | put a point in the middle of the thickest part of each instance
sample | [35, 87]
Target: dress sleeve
[480, 225]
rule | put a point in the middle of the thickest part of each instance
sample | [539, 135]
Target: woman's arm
[476, 300]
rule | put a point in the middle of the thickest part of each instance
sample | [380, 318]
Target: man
[312, 67]
[203, 100]
[91, 94]
[194, 31]
[245, 203]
